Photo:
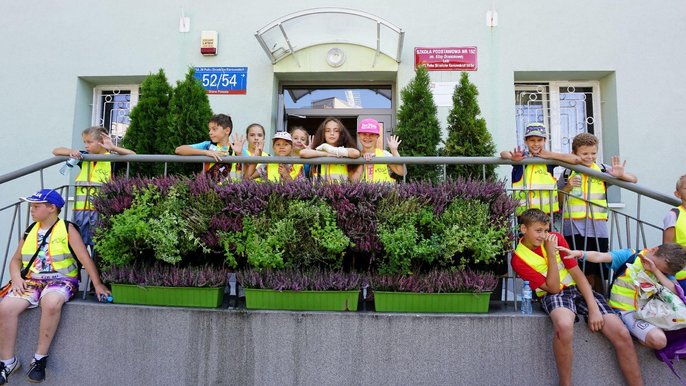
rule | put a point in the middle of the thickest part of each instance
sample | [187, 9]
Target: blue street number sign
[223, 80]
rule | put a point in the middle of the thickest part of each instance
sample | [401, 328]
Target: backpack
[676, 344]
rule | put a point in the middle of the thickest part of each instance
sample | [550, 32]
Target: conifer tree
[418, 125]
[467, 132]
[149, 121]
[190, 111]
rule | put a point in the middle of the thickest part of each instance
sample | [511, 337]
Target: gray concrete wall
[106, 344]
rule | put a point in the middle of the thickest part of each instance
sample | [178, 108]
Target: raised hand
[310, 141]
[393, 142]
[237, 144]
[617, 167]
[518, 154]
[106, 142]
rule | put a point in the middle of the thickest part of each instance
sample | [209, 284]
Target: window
[111, 108]
[566, 108]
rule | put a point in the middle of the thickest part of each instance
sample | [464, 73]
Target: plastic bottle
[526, 299]
[68, 164]
[576, 191]
[107, 298]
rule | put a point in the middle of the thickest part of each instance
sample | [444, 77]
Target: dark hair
[533, 215]
[222, 120]
[584, 139]
[674, 255]
[247, 129]
[345, 139]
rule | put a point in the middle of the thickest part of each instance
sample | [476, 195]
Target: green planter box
[168, 296]
[264, 299]
[439, 302]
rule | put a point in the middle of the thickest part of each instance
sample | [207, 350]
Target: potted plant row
[299, 236]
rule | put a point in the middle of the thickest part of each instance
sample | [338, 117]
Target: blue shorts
[571, 299]
[37, 288]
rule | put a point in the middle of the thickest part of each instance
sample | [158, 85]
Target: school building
[613, 69]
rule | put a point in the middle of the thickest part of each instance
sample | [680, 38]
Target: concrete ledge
[106, 344]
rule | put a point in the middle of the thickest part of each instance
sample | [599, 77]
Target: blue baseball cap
[49, 196]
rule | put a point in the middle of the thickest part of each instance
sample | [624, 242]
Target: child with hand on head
[585, 225]
[219, 145]
[661, 263]
[44, 271]
[332, 139]
[91, 176]
[535, 182]
[368, 132]
[282, 144]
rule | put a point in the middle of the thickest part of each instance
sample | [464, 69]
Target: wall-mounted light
[208, 43]
[335, 57]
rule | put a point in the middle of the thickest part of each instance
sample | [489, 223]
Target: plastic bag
[656, 304]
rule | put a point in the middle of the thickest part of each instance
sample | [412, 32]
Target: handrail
[148, 158]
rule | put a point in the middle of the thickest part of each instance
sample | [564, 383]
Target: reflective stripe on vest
[58, 250]
[376, 172]
[274, 176]
[539, 184]
[331, 172]
[680, 227]
[578, 208]
[92, 175]
[540, 264]
[623, 292]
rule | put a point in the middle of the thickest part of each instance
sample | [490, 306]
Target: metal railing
[627, 227]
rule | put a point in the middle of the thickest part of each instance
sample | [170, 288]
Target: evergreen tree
[149, 121]
[418, 125]
[189, 113]
[467, 132]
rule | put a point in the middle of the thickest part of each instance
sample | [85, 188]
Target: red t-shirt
[527, 273]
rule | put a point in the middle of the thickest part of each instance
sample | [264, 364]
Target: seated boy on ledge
[50, 280]
[565, 293]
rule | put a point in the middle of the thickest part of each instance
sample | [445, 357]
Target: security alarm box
[208, 43]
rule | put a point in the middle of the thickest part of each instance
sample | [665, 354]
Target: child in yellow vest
[219, 145]
[49, 281]
[535, 184]
[332, 139]
[661, 263]
[583, 225]
[675, 224]
[282, 144]
[92, 174]
[368, 132]
[565, 293]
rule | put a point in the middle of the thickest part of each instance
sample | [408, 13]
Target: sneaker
[6, 370]
[37, 370]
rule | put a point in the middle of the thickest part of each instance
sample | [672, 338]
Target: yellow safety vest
[540, 185]
[623, 293]
[376, 172]
[540, 264]
[680, 227]
[58, 250]
[92, 175]
[331, 172]
[274, 176]
[579, 207]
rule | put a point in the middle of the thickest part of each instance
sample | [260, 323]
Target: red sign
[446, 58]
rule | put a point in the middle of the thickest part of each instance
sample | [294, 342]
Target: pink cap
[369, 126]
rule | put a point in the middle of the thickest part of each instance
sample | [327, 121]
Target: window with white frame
[565, 108]
[111, 107]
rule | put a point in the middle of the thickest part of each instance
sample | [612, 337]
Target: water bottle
[105, 299]
[68, 164]
[526, 299]
[577, 192]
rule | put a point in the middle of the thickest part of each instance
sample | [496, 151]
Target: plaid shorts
[571, 299]
[37, 288]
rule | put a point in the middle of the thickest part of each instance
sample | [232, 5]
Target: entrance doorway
[308, 106]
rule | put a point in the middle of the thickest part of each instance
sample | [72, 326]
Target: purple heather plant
[310, 280]
[166, 275]
[436, 281]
